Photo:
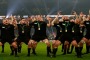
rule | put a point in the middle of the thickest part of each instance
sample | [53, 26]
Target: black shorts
[38, 37]
[87, 36]
[66, 37]
[57, 37]
[77, 38]
[10, 41]
[23, 39]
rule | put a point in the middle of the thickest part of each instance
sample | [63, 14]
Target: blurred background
[43, 7]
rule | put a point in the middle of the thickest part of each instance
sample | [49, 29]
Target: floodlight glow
[14, 5]
[53, 10]
[75, 4]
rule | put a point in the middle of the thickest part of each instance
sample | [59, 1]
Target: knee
[29, 45]
[58, 42]
[66, 43]
[48, 44]
[1, 44]
[86, 40]
[46, 41]
[35, 43]
[53, 42]
[74, 43]
[14, 44]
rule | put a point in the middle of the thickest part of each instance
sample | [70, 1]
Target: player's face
[88, 17]
[22, 21]
[26, 22]
[14, 22]
[38, 18]
[48, 18]
[77, 21]
[5, 22]
[66, 17]
[62, 17]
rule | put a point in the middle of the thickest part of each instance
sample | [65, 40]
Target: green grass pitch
[41, 54]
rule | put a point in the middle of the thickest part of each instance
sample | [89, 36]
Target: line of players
[69, 31]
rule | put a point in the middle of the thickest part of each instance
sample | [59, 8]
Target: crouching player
[78, 35]
[7, 35]
[39, 26]
[56, 42]
[24, 34]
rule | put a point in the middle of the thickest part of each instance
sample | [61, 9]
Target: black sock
[68, 48]
[19, 48]
[77, 51]
[81, 49]
[54, 52]
[48, 51]
[12, 50]
[3, 48]
[33, 51]
[64, 49]
[87, 49]
[72, 48]
[15, 49]
[29, 51]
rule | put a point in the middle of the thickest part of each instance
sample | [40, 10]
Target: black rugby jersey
[7, 31]
[24, 30]
[66, 26]
[87, 25]
[40, 27]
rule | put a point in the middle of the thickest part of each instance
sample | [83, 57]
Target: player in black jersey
[7, 35]
[24, 33]
[66, 39]
[78, 31]
[39, 26]
[13, 22]
[87, 36]
[56, 42]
